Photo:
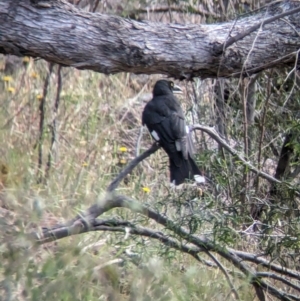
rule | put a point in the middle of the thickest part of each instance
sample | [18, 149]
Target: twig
[221, 267]
[41, 127]
[294, 70]
[138, 142]
[170, 11]
[53, 126]
[244, 190]
[214, 135]
[267, 264]
[264, 66]
[245, 33]
[276, 277]
[262, 129]
[95, 5]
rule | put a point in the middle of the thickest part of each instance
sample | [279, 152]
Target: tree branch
[253, 28]
[214, 135]
[113, 44]
[267, 264]
[276, 277]
[202, 244]
[221, 267]
[128, 169]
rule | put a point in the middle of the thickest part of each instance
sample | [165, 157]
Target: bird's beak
[177, 90]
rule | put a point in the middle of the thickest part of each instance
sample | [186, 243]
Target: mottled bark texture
[61, 33]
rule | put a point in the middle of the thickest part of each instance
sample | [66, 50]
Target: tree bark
[61, 33]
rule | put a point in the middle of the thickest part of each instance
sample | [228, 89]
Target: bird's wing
[156, 117]
[165, 120]
[179, 133]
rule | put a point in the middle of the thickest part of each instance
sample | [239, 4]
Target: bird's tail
[187, 169]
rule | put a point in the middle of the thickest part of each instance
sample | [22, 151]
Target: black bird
[165, 121]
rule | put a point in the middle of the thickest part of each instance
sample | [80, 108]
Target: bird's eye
[171, 84]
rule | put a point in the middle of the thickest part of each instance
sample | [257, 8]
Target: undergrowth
[97, 129]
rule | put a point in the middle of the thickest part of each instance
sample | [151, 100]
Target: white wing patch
[178, 145]
[199, 179]
[187, 129]
[155, 135]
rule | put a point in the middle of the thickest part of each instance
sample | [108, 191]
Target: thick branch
[267, 264]
[276, 277]
[61, 33]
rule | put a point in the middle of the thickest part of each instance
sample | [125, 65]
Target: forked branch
[215, 136]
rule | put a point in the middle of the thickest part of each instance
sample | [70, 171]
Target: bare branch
[253, 28]
[214, 135]
[41, 126]
[276, 277]
[267, 264]
[221, 267]
[53, 125]
[114, 44]
[201, 242]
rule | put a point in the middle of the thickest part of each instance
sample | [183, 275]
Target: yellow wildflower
[7, 78]
[26, 59]
[84, 164]
[39, 97]
[123, 149]
[11, 89]
[146, 189]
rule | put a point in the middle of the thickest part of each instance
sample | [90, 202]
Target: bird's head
[164, 87]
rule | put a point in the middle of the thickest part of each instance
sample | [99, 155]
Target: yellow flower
[26, 59]
[146, 189]
[34, 75]
[122, 161]
[11, 89]
[7, 78]
[123, 149]
[39, 97]
[84, 164]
